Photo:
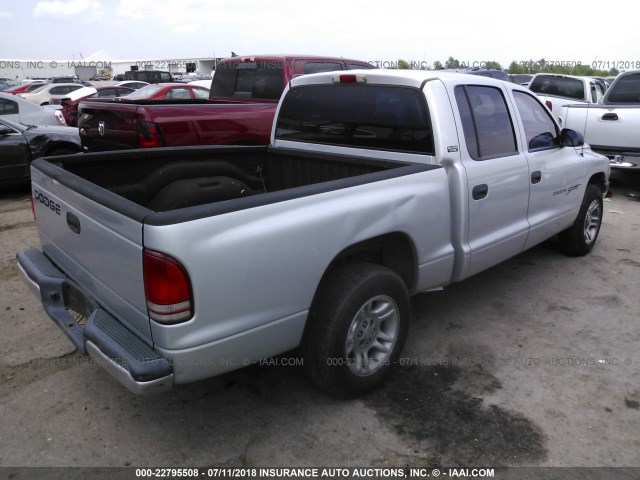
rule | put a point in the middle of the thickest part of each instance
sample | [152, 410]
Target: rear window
[361, 116]
[565, 87]
[625, 90]
[262, 80]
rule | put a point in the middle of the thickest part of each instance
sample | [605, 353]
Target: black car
[20, 144]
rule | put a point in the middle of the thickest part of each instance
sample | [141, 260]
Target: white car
[19, 110]
[42, 95]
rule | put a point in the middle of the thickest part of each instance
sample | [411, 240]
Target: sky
[371, 30]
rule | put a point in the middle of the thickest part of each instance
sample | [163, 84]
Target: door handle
[480, 191]
[610, 116]
[536, 177]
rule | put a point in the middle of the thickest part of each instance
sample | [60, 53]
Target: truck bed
[219, 179]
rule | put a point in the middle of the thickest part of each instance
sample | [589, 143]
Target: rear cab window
[486, 122]
[558, 86]
[371, 117]
[261, 79]
[625, 89]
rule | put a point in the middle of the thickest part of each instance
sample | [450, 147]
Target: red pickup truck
[242, 102]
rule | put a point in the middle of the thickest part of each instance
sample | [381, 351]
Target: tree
[403, 65]
[492, 64]
[515, 67]
[437, 65]
[452, 63]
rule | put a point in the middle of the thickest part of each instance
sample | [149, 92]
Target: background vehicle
[167, 91]
[18, 110]
[521, 78]
[42, 95]
[240, 109]
[132, 84]
[558, 91]
[612, 128]
[149, 76]
[20, 144]
[377, 185]
[70, 102]
[24, 87]
[485, 72]
[69, 80]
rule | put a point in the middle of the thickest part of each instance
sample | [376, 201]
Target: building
[100, 63]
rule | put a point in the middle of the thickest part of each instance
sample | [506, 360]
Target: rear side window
[541, 131]
[355, 115]
[565, 87]
[486, 122]
[625, 89]
[318, 67]
[248, 80]
[359, 66]
[8, 107]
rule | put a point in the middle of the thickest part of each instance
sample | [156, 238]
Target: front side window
[357, 115]
[540, 130]
[486, 122]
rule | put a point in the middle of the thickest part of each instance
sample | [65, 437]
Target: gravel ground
[534, 362]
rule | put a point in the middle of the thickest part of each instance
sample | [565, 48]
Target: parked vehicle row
[21, 144]
[239, 110]
[612, 127]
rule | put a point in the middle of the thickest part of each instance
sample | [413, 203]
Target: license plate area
[78, 306]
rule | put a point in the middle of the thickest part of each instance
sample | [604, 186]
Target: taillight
[166, 288]
[148, 135]
[549, 105]
[33, 207]
[349, 78]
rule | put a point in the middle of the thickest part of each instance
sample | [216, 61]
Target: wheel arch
[599, 180]
[395, 251]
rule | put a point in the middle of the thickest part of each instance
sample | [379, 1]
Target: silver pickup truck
[612, 128]
[173, 265]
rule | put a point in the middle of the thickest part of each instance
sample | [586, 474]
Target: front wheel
[356, 329]
[580, 237]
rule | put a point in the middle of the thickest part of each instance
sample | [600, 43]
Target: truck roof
[409, 78]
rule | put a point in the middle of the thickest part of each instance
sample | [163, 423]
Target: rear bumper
[124, 355]
[620, 160]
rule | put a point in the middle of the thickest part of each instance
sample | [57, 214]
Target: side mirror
[4, 130]
[571, 138]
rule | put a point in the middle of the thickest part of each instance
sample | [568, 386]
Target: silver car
[21, 111]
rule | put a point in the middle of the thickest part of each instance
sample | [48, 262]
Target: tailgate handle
[610, 116]
[73, 222]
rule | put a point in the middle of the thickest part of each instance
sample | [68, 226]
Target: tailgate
[96, 246]
[108, 126]
[614, 127]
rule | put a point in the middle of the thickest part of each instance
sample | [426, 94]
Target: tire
[579, 238]
[356, 329]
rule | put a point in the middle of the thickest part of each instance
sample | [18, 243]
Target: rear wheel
[356, 329]
[580, 237]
